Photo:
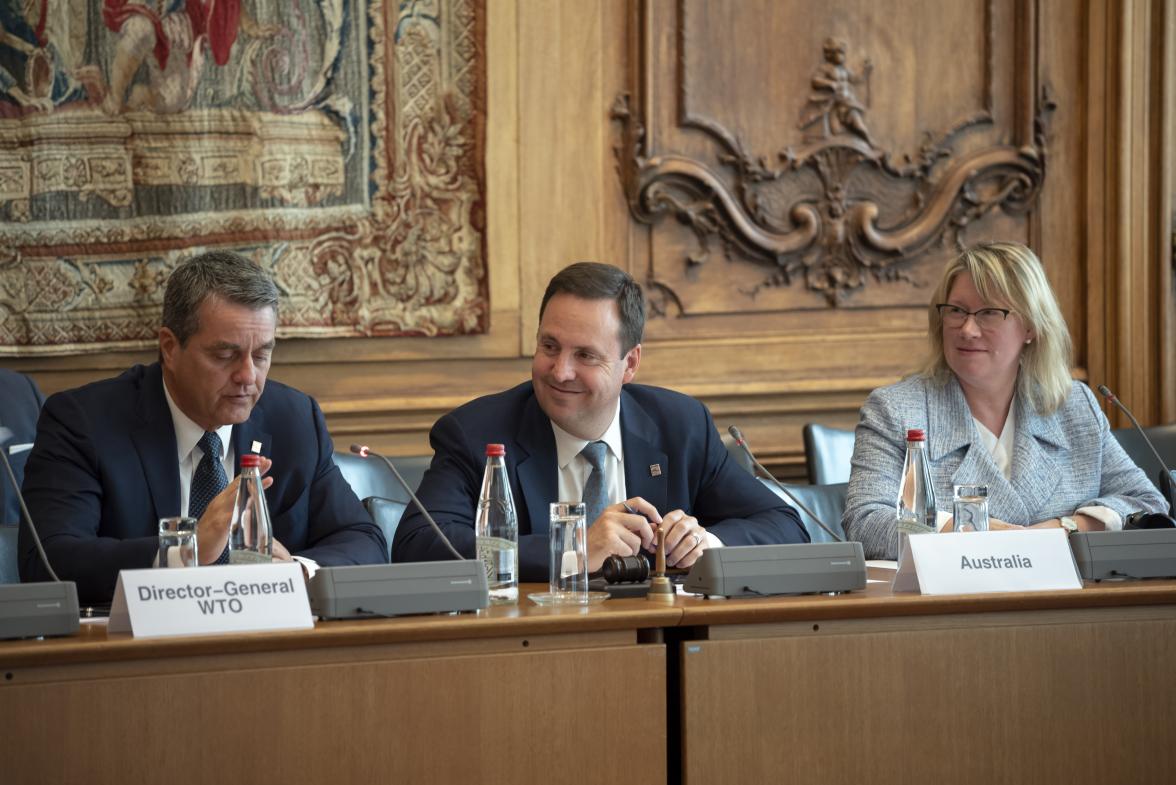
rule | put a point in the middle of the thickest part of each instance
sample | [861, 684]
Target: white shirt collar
[567, 447]
[1000, 447]
[188, 433]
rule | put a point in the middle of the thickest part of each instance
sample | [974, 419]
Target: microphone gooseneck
[5, 435]
[1110, 396]
[743, 443]
[363, 451]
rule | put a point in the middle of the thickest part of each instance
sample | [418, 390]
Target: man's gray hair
[226, 274]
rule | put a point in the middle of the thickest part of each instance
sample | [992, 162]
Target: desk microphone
[35, 609]
[742, 443]
[363, 451]
[5, 435]
[1166, 479]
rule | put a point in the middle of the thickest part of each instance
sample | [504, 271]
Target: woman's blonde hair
[1010, 275]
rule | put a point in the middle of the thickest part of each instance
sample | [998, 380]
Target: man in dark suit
[643, 456]
[113, 457]
[22, 403]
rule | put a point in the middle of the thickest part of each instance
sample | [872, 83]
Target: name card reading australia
[202, 600]
[997, 561]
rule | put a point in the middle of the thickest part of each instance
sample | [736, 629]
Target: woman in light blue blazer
[1000, 408]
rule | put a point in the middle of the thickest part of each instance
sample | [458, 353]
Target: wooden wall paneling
[1055, 230]
[704, 113]
[571, 53]
[1168, 216]
[1164, 75]
[772, 362]
[1131, 295]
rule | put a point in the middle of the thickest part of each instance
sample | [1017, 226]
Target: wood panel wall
[1102, 223]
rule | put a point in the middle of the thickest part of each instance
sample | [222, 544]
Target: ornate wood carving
[871, 212]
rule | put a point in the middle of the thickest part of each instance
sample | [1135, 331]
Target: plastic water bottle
[251, 537]
[497, 529]
[915, 507]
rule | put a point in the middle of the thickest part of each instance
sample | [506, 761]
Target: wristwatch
[1069, 524]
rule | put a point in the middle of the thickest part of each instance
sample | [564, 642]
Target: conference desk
[868, 687]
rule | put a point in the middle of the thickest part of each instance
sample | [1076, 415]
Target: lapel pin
[655, 470]
[256, 448]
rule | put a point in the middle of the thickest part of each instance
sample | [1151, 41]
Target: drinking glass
[970, 508]
[179, 533]
[569, 553]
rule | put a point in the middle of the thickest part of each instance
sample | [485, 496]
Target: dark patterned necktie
[208, 480]
[596, 489]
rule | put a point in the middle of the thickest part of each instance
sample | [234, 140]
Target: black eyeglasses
[986, 318]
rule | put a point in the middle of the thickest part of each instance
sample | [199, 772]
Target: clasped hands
[628, 527]
[212, 530]
[1085, 523]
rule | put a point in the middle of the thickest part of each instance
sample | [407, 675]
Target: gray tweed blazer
[1061, 463]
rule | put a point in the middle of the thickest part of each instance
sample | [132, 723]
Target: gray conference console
[1132, 553]
[757, 570]
[365, 591]
[33, 610]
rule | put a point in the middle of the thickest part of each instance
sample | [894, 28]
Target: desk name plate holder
[206, 600]
[983, 562]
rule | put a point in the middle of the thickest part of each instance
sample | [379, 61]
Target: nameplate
[202, 600]
[997, 561]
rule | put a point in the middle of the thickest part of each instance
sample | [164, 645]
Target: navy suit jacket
[22, 403]
[659, 428]
[104, 470]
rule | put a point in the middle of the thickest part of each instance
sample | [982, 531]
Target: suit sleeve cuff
[1111, 519]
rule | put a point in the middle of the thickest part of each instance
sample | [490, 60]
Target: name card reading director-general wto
[203, 600]
[995, 561]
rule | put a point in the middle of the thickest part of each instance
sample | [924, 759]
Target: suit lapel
[1034, 472]
[248, 432]
[646, 465]
[537, 467]
[952, 429]
[154, 437]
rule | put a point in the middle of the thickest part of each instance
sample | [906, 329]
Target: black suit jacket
[18, 413]
[674, 458]
[104, 469]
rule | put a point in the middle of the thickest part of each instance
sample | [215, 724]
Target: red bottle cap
[916, 435]
[495, 449]
[250, 459]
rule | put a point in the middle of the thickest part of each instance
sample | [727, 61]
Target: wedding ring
[697, 540]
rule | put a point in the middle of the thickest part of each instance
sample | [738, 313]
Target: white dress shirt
[188, 436]
[574, 468]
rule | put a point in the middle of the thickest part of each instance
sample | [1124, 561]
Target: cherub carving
[833, 101]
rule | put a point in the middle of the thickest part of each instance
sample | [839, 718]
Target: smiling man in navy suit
[581, 430]
[113, 457]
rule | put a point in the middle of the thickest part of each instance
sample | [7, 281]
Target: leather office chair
[827, 454]
[372, 477]
[1164, 439]
[386, 514]
[827, 501]
[8, 554]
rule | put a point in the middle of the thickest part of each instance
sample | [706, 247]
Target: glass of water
[970, 508]
[178, 533]
[569, 554]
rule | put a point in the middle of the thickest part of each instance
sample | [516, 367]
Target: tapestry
[337, 143]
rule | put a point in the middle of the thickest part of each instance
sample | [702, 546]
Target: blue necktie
[208, 480]
[596, 489]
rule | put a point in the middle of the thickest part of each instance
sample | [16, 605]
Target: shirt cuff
[1111, 519]
[309, 566]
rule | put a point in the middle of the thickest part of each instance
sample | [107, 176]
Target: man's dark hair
[228, 275]
[596, 281]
